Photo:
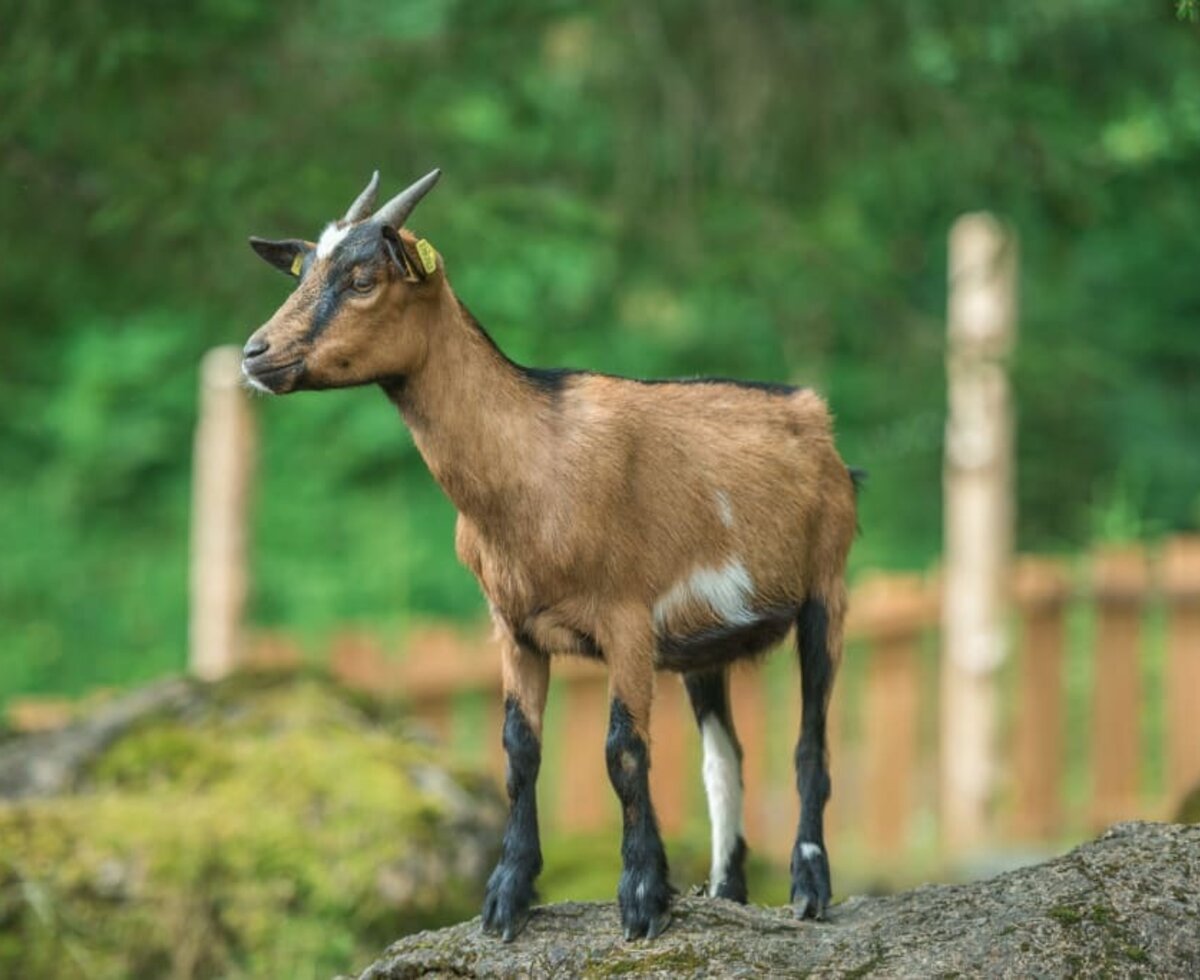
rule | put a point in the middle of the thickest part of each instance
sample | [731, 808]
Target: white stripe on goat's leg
[722, 770]
[723, 784]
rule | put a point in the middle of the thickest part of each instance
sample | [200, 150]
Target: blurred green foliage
[752, 189]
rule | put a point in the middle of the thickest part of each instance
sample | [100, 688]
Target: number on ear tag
[428, 255]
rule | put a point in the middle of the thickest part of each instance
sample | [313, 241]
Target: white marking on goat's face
[809, 850]
[330, 239]
[727, 591]
[723, 786]
[724, 508]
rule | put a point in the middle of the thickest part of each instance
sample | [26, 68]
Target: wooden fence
[1100, 710]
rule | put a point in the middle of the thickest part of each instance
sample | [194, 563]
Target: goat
[678, 525]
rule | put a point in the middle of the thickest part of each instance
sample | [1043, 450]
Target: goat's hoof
[645, 902]
[506, 904]
[811, 890]
[734, 889]
[513, 929]
[655, 929]
[506, 923]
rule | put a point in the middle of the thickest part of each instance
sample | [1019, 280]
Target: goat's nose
[254, 347]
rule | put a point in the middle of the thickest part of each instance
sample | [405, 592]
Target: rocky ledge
[1126, 904]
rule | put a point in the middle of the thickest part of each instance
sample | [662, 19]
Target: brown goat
[676, 525]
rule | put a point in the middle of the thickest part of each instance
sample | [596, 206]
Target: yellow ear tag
[428, 255]
[297, 262]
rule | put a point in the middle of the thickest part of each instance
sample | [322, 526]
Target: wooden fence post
[223, 462]
[1181, 582]
[1042, 589]
[978, 518]
[1121, 578]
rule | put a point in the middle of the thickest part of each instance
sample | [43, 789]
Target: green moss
[677, 962]
[1066, 915]
[251, 837]
[1135, 953]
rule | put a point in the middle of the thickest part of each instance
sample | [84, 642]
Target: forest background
[757, 190]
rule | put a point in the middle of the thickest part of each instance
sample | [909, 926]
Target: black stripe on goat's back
[769, 387]
[554, 380]
[550, 381]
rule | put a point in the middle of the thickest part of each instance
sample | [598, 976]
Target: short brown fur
[578, 509]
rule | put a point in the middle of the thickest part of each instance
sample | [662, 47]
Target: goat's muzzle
[270, 371]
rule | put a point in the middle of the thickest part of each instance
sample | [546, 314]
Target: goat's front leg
[643, 893]
[510, 888]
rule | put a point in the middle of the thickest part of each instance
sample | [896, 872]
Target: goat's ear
[286, 255]
[404, 262]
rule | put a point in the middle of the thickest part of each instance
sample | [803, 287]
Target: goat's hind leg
[708, 692]
[510, 889]
[819, 637]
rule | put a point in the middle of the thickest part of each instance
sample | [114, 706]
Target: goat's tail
[858, 477]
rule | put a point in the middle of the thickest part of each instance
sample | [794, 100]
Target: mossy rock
[1189, 809]
[260, 829]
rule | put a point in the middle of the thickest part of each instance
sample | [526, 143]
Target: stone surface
[1126, 904]
[50, 763]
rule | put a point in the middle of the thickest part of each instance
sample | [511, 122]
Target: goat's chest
[515, 574]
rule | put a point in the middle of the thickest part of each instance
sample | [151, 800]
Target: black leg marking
[708, 692]
[510, 888]
[811, 890]
[644, 893]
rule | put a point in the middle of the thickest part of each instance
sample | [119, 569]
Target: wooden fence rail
[1090, 621]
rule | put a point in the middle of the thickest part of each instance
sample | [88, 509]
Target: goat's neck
[480, 427]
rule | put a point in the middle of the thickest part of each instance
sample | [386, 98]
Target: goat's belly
[715, 646]
[553, 634]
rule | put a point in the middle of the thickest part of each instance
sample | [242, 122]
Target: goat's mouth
[277, 379]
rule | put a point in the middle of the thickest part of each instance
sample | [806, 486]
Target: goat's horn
[365, 201]
[397, 210]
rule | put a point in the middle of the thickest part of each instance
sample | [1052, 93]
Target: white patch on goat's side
[330, 239]
[809, 850]
[724, 508]
[723, 786]
[726, 590]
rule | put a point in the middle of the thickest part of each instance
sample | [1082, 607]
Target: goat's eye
[362, 283]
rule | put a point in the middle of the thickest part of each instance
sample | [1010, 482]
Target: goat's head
[358, 313]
